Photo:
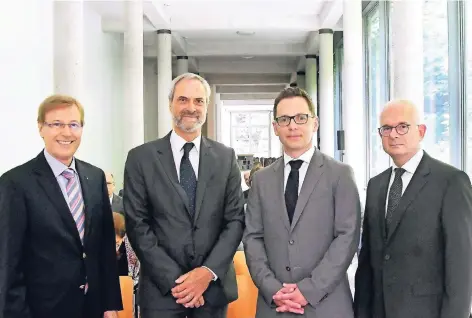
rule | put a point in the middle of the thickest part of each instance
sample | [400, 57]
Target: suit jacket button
[387, 257]
[287, 268]
[192, 257]
[84, 256]
[291, 242]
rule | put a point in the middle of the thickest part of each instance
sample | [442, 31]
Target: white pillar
[133, 75]
[211, 115]
[406, 20]
[218, 106]
[164, 80]
[301, 81]
[326, 92]
[182, 65]
[311, 85]
[69, 47]
[353, 91]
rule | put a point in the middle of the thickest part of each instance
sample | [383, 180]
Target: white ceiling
[280, 34]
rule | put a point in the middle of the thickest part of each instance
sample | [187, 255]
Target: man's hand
[110, 314]
[290, 299]
[191, 286]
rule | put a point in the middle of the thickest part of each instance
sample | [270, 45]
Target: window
[378, 159]
[435, 72]
[468, 73]
[250, 133]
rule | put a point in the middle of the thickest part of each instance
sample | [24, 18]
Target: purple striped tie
[76, 202]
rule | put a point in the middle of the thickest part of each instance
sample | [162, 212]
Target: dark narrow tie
[188, 180]
[394, 196]
[291, 189]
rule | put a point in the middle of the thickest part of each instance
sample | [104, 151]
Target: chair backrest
[245, 305]
[126, 284]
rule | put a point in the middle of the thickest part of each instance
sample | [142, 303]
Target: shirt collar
[305, 157]
[177, 142]
[57, 166]
[411, 165]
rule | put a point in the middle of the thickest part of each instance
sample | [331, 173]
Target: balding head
[110, 183]
[402, 142]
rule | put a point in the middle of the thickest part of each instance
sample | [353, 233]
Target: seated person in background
[128, 264]
[116, 201]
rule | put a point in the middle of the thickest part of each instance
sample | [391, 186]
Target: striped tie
[76, 203]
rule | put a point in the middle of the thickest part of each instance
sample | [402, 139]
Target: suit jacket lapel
[166, 158]
[414, 187]
[279, 198]
[205, 173]
[51, 187]
[85, 181]
[312, 177]
[382, 195]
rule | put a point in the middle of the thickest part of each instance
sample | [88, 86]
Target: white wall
[26, 77]
[102, 140]
[150, 99]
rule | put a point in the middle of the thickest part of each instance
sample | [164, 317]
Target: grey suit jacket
[168, 241]
[314, 251]
[117, 204]
[424, 267]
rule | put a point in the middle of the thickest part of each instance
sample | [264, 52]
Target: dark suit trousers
[202, 312]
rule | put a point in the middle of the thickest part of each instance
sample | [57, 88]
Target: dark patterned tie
[291, 189]
[394, 196]
[188, 180]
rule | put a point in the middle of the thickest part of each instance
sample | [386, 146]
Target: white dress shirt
[410, 167]
[177, 144]
[306, 158]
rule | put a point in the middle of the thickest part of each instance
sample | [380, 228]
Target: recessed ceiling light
[245, 33]
[247, 57]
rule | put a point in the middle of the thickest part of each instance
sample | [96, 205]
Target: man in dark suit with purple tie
[57, 241]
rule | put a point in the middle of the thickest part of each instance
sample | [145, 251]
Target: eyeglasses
[58, 125]
[401, 129]
[299, 119]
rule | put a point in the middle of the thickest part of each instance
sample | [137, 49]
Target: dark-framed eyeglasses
[299, 119]
[59, 125]
[401, 129]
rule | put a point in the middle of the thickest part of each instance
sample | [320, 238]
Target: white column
[311, 85]
[326, 92]
[211, 115]
[164, 80]
[133, 94]
[301, 81]
[69, 47]
[353, 91]
[218, 106]
[182, 65]
[406, 20]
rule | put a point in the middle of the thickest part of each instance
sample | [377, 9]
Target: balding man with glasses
[302, 222]
[416, 254]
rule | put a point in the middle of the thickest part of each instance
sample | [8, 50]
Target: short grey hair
[190, 76]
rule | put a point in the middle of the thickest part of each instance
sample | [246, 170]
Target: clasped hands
[290, 299]
[191, 286]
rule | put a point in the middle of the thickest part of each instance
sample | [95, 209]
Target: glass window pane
[379, 160]
[436, 90]
[250, 133]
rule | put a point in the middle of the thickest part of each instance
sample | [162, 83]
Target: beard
[189, 128]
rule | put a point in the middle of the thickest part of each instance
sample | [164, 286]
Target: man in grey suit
[302, 222]
[115, 200]
[184, 213]
[416, 255]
